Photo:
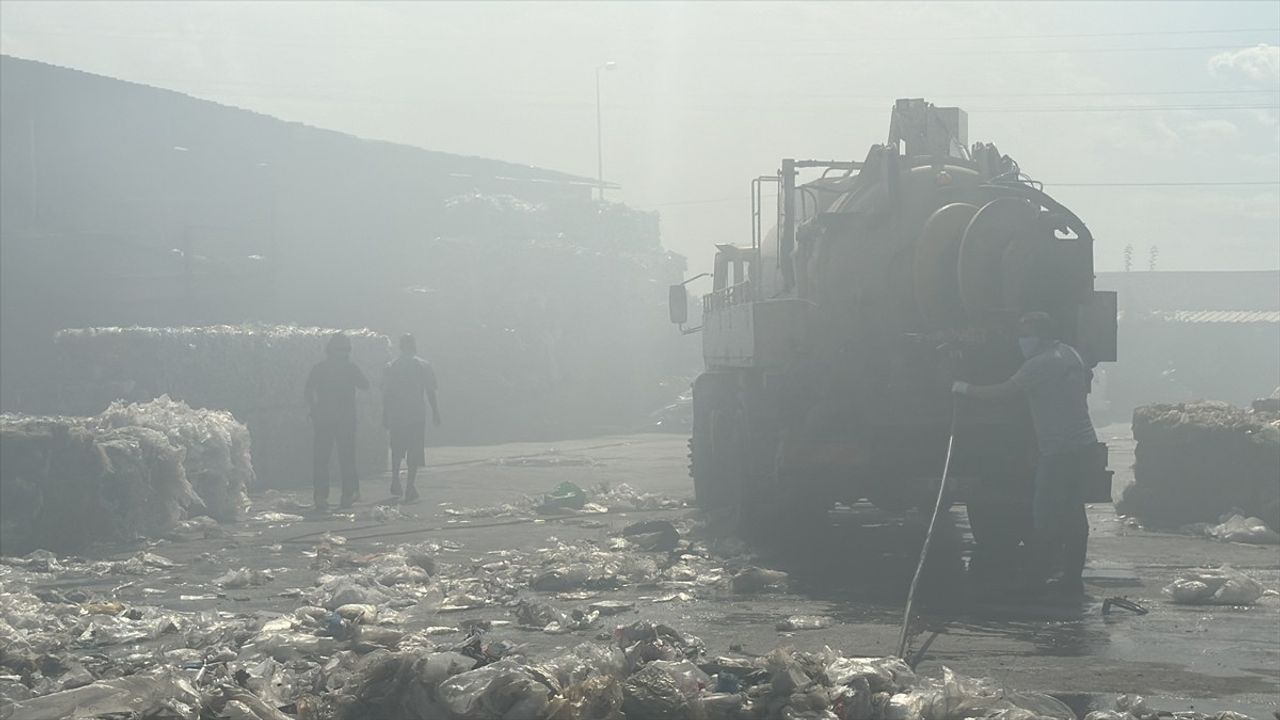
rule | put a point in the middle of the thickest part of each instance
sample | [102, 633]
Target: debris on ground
[1221, 586]
[365, 640]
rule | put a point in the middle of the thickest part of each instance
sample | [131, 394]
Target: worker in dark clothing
[408, 386]
[331, 397]
[1056, 382]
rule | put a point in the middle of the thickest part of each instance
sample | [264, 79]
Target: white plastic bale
[216, 449]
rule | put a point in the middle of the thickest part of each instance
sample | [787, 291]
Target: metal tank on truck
[831, 340]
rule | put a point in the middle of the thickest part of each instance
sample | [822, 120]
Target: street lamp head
[610, 65]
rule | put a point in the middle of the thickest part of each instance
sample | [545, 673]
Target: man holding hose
[1056, 383]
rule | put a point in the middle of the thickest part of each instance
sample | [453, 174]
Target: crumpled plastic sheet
[1220, 586]
[160, 693]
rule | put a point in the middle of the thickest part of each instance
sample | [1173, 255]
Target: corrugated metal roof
[1221, 316]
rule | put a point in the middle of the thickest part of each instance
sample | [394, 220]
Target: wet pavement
[1181, 657]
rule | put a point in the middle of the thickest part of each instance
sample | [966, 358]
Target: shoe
[348, 501]
[411, 495]
[320, 508]
[396, 491]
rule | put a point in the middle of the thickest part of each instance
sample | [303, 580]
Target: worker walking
[408, 386]
[1056, 382]
[331, 397]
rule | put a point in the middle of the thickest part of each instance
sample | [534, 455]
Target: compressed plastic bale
[1196, 461]
[217, 458]
[145, 491]
[51, 471]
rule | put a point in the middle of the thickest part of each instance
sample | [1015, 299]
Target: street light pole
[599, 133]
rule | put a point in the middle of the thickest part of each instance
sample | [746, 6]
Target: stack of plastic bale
[214, 453]
[1195, 462]
[257, 372]
[50, 472]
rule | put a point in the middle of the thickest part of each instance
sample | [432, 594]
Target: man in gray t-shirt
[1056, 382]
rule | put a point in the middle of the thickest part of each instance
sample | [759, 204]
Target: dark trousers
[329, 435]
[1061, 536]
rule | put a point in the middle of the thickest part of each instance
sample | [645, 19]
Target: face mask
[1028, 346]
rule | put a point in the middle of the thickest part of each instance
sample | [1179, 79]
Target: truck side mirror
[678, 304]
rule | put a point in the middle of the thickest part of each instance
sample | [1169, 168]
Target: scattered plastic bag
[552, 620]
[804, 622]
[887, 674]
[504, 689]
[1240, 529]
[958, 697]
[243, 578]
[656, 535]
[565, 496]
[1222, 586]
[757, 580]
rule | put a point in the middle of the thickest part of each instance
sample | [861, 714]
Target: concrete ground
[1181, 657]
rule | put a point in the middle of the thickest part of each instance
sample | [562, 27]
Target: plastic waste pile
[73, 654]
[362, 641]
[256, 372]
[1195, 462]
[135, 470]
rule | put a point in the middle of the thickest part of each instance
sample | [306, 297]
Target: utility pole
[599, 132]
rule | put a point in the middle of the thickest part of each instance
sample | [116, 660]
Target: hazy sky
[706, 96]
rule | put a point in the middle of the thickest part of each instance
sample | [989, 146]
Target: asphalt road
[1180, 657]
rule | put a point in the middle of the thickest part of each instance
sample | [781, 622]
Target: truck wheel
[713, 453]
[780, 513]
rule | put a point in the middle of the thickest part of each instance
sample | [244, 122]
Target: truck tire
[779, 514]
[714, 454]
